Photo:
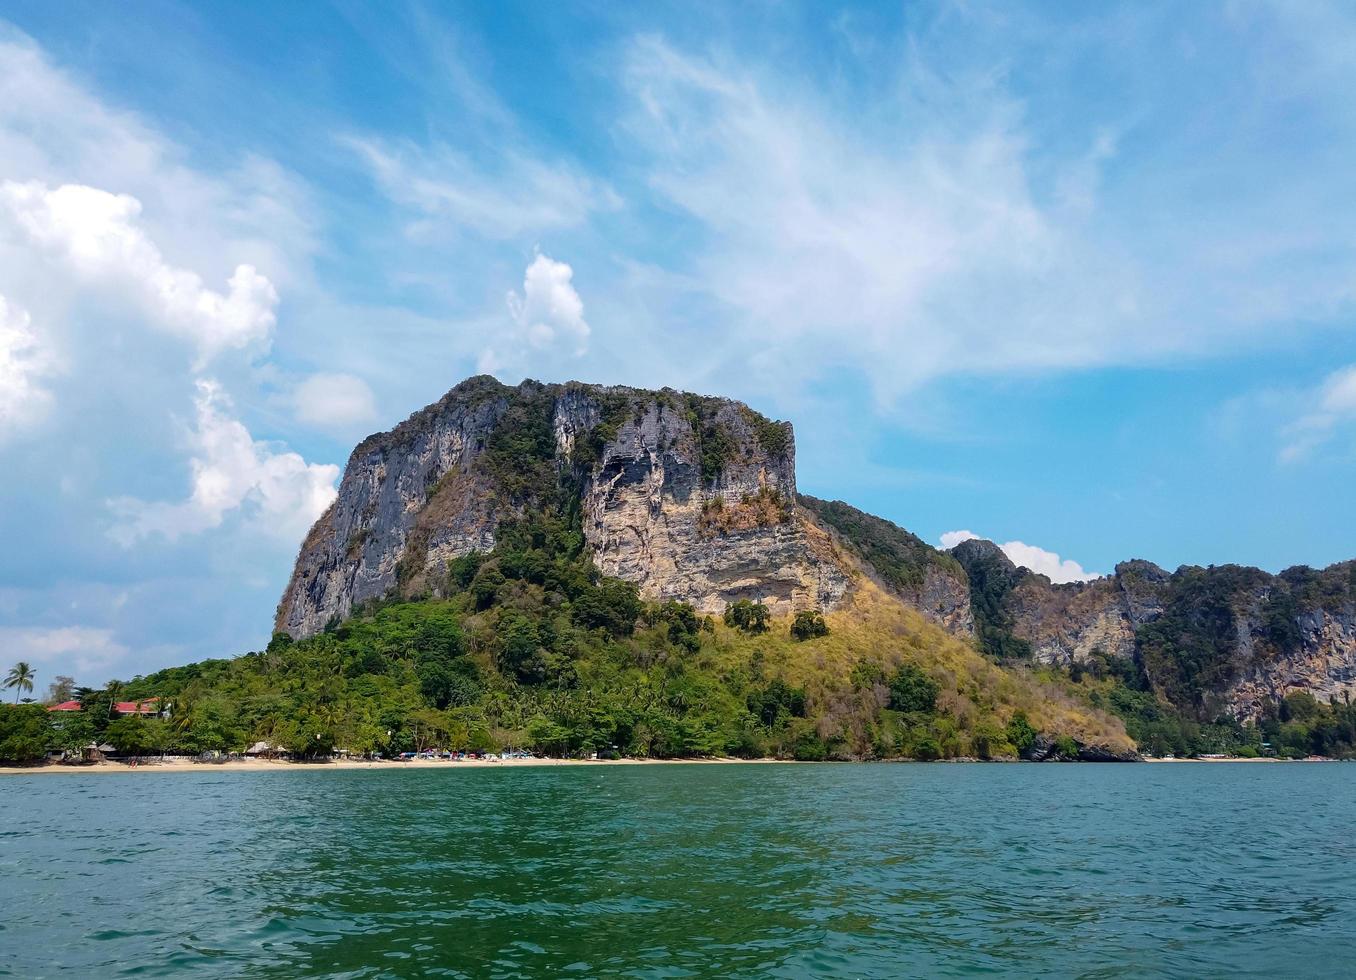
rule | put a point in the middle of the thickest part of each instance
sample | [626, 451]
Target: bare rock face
[415, 485]
[690, 498]
[652, 516]
[1069, 623]
[1220, 640]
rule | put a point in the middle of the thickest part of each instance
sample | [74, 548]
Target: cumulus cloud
[24, 362]
[98, 236]
[231, 471]
[86, 648]
[334, 402]
[1328, 407]
[1047, 563]
[950, 539]
[548, 316]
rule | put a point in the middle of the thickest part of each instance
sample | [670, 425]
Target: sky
[1079, 278]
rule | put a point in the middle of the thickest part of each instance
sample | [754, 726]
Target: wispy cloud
[511, 195]
[939, 235]
[335, 402]
[1328, 408]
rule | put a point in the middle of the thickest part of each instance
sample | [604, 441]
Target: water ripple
[683, 871]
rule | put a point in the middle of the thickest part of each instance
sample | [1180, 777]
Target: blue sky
[1079, 278]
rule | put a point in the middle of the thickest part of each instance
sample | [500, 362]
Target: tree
[21, 679]
[1020, 732]
[750, 617]
[25, 733]
[913, 690]
[61, 689]
[808, 624]
[130, 735]
[72, 731]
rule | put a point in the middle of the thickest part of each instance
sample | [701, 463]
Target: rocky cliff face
[690, 498]
[1220, 640]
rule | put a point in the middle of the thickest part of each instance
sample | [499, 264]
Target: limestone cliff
[688, 497]
[1219, 640]
[694, 498]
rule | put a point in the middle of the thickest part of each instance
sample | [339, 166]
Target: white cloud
[1328, 407]
[334, 402]
[952, 538]
[24, 362]
[98, 237]
[512, 196]
[1047, 563]
[231, 471]
[938, 233]
[54, 130]
[85, 649]
[548, 316]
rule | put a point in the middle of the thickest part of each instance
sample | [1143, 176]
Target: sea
[700, 870]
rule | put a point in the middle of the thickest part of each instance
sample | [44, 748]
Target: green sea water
[684, 871]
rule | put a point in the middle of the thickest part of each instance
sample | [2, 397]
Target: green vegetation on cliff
[992, 577]
[900, 558]
[1294, 727]
[534, 648]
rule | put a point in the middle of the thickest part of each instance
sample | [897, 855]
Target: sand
[387, 765]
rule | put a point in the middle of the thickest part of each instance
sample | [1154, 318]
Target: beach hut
[263, 750]
[98, 753]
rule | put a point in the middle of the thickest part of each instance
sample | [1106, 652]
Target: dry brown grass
[872, 626]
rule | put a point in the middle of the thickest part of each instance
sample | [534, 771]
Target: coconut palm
[21, 679]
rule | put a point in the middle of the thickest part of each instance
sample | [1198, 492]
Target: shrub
[808, 624]
[776, 702]
[913, 690]
[1020, 732]
[717, 449]
[927, 749]
[809, 747]
[612, 605]
[750, 617]
[987, 741]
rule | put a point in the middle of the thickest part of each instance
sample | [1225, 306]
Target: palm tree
[20, 678]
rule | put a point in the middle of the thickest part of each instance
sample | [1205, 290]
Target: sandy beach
[385, 765]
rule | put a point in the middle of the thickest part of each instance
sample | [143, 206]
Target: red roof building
[147, 706]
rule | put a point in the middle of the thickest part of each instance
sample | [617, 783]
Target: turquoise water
[678, 871]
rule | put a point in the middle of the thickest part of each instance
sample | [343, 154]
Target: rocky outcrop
[1046, 749]
[415, 486]
[1219, 640]
[688, 497]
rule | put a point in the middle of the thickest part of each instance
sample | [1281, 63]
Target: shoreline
[397, 765]
[384, 765]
